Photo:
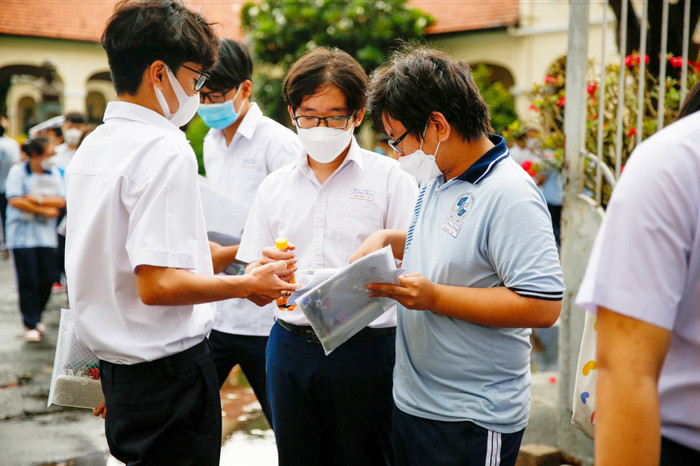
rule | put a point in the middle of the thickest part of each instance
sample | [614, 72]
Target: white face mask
[48, 163]
[187, 105]
[324, 144]
[421, 165]
[72, 136]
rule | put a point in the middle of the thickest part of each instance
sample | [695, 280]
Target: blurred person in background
[9, 155]
[72, 130]
[242, 147]
[34, 195]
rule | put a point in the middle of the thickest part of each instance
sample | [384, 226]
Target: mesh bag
[75, 380]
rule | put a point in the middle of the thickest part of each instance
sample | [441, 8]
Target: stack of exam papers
[336, 301]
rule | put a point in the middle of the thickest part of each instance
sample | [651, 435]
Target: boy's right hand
[272, 254]
[265, 282]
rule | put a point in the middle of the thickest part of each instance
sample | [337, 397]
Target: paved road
[32, 434]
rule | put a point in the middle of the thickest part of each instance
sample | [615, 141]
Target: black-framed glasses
[336, 122]
[199, 83]
[215, 97]
[394, 143]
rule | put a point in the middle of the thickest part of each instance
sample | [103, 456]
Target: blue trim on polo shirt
[544, 295]
[29, 169]
[484, 166]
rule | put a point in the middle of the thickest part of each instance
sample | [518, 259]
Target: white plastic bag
[340, 307]
[584, 402]
[75, 378]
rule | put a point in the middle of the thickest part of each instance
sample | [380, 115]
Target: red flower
[632, 132]
[527, 165]
[676, 62]
[629, 60]
[550, 80]
[562, 101]
[94, 373]
[532, 172]
[696, 66]
[592, 88]
[534, 108]
[646, 59]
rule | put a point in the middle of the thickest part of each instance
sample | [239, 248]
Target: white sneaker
[32, 335]
[41, 327]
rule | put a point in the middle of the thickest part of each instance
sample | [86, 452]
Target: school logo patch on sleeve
[459, 211]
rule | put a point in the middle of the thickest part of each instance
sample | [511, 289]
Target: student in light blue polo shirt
[34, 196]
[481, 269]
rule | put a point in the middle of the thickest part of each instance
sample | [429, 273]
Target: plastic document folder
[340, 307]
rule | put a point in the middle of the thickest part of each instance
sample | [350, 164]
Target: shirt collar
[250, 121]
[120, 110]
[29, 169]
[484, 166]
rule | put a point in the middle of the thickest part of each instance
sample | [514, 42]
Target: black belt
[308, 333]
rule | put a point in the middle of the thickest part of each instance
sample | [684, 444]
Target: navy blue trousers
[248, 351]
[36, 273]
[418, 442]
[330, 410]
[164, 412]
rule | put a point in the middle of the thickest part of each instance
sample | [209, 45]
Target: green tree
[281, 32]
[498, 98]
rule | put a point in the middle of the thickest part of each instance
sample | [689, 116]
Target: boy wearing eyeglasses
[242, 147]
[333, 409]
[138, 262]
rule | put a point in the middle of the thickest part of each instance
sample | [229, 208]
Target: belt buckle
[311, 336]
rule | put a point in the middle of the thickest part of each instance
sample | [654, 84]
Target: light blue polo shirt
[23, 229]
[488, 227]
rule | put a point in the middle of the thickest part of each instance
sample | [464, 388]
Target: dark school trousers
[164, 412]
[674, 454]
[36, 272]
[418, 441]
[248, 351]
[330, 410]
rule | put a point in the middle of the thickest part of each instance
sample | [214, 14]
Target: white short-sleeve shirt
[645, 263]
[259, 147]
[134, 200]
[328, 222]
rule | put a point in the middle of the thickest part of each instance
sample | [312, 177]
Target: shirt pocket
[352, 222]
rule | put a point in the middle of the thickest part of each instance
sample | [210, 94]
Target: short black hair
[234, 66]
[691, 104]
[143, 31]
[419, 80]
[75, 118]
[35, 146]
[321, 67]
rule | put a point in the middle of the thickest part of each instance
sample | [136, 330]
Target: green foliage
[500, 101]
[548, 100]
[281, 32]
[195, 134]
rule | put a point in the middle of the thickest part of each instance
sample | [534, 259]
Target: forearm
[26, 205]
[160, 286]
[397, 240]
[222, 256]
[494, 307]
[628, 426]
[54, 201]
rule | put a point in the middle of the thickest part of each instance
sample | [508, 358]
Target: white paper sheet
[221, 213]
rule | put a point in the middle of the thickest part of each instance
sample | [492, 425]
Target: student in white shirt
[333, 409]
[138, 259]
[242, 147]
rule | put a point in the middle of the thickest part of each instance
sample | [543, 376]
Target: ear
[439, 123]
[156, 74]
[246, 89]
[359, 116]
[291, 115]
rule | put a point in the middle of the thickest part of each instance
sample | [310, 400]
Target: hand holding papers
[339, 307]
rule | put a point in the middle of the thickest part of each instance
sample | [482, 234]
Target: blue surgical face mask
[220, 116]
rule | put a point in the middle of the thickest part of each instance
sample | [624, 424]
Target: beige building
[51, 61]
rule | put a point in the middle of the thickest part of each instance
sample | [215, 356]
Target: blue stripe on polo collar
[484, 166]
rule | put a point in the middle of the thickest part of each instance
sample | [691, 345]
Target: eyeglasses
[215, 97]
[394, 143]
[337, 122]
[199, 83]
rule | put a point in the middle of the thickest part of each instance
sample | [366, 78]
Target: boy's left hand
[414, 291]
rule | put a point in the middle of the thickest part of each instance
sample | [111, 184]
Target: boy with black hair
[137, 257]
[482, 268]
[333, 409]
[242, 147]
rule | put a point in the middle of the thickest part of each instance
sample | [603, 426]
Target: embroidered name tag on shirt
[362, 194]
[249, 163]
[459, 211]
